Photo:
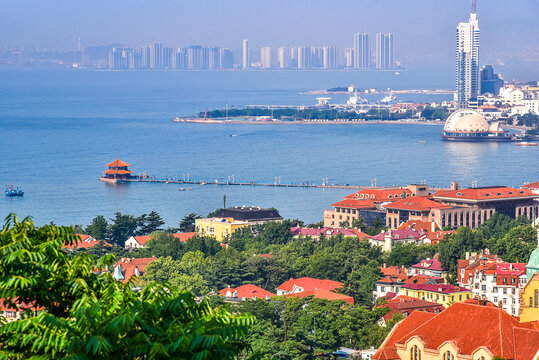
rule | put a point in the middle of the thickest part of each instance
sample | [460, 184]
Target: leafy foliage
[86, 315]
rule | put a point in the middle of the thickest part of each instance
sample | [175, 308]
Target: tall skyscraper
[329, 57]
[146, 56]
[265, 57]
[348, 57]
[245, 53]
[490, 81]
[226, 59]
[156, 56]
[362, 51]
[281, 57]
[194, 57]
[385, 51]
[214, 58]
[467, 59]
[293, 57]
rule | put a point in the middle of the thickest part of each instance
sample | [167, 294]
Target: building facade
[219, 228]
[467, 60]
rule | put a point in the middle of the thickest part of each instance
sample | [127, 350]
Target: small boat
[422, 141]
[189, 188]
[203, 183]
[10, 191]
[181, 189]
[525, 143]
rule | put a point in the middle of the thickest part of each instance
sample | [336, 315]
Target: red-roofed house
[416, 208]
[294, 286]
[407, 305]
[491, 279]
[86, 241]
[394, 278]
[429, 267]
[140, 241]
[118, 171]
[432, 231]
[323, 294]
[439, 293]
[534, 186]
[462, 331]
[12, 314]
[388, 239]
[125, 268]
[327, 232]
[248, 291]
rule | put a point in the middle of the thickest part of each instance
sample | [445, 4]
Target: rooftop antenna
[474, 7]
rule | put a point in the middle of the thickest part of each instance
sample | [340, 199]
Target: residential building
[251, 214]
[11, 314]
[246, 63]
[429, 267]
[474, 329]
[416, 208]
[395, 277]
[529, 299]
[85, 242]
[388, 239]
[137, 242]
[226, 59]
[294, 286]
[431, 229]
[385, 51]
[194, 57]
[214, 58]
[329, 57]
[126, 268]
[316, 234]
[406, 305]
[265, 57]
[362, 51]
[156, 56]
[323, 294]
[439, 293]
[245, 292]
[220, 228]
[467, 60]
[348, 58]
[281, 57]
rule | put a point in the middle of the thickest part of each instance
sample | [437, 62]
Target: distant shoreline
[306, 122]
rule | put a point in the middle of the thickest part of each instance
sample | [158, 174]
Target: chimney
[454, 185]
[467, 255]
[432, 226]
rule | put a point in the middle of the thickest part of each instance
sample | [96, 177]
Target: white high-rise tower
[245, 53]
[467, 59]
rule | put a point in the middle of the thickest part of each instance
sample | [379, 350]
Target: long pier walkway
[254, 183]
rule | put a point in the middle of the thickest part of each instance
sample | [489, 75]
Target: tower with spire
[467, 59]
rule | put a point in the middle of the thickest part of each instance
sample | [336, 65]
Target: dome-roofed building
[470, 125]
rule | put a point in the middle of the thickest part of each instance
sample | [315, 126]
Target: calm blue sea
[58, 130]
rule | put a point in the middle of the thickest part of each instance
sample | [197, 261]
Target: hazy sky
[425, 29]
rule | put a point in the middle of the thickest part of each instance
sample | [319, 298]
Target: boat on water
[525, 143]
[11, 191]
[203, 183]
[181, 189]
[422, 141]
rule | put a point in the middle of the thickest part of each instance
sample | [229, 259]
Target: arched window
[448, 355]
[531, 302]
[415, 353]
[536, 305]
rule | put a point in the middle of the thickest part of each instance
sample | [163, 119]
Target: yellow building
[442, 294]
[220, 228]
[529, 300]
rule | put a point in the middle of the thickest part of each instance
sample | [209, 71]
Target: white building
[362, 51]
[281, 57]
[467, 79]
[348, 57]
[265, 57]
[385, 51]
[245, 53]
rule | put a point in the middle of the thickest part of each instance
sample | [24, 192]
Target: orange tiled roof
[86, 241]
[247, 291]
[118, 163]
[379, 194]
[409, 304]
[118, 172]
[184, 236]
[420, 225]
[533, 185]
[355, 204]
[129, 265]
[323, 294]
[486, 326]
[417, 203]
[486, 193]
[308, 283]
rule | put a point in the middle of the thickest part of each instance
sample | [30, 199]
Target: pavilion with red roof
[118, 171]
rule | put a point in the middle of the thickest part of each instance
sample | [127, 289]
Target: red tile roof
[393, 270]
[399, 234]
[388, 351]
[118, 163]
[247, 291]
[439, 288]
[129, 265]
[485, 193]
[184, 236]
[533, 185]
[417, 203]
[119, 172]
[354, 204]
[426, 226]
[86, 241]
[326, 231]
[379, 195]
[308, 283]
[408, 304]
[431, 264]
[323, 294]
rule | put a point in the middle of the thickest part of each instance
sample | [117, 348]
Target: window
[531, 301]
[448, 355]
[415, 353]
[460, 297]
[536, 304]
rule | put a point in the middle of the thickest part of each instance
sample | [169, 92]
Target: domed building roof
[466, 120]
[533, 264]
[495, 127]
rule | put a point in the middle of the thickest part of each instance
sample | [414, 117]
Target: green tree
[98, 229]
[163, 244]
[206, 244]
[86, 316]
[148, 223]
[122, 228]
[360, 284]
[187, 224]
[517, 245]
[455, 247]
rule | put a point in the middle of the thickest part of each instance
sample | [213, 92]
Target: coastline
[307, 122]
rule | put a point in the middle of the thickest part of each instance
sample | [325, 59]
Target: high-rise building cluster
[158, 56]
